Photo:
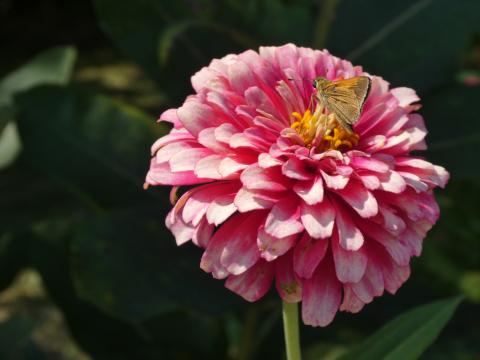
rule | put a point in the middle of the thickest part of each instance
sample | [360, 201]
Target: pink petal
[196, 116]
[174, 137]
[392, 182]
[360, 199]
[350, 265]
[166, 152]
[247, 200]
[221, 209]
[370, 181]
[351, 303]
[369, 163]
[257, 98]
[208, 167]
[371, 284]
[170, 116]
[318, 219]
[296, 169]
[207, 138]
[182, 231]
[322, 295]
[397, 250]
[405, 95]
[198, 199]
[283, 219]
[211, 257]
[253, 283]
[241, 252]
[272, 247]
[308, 253]
[256, 178]
[186, 160]
[202, 234]
[335, 181]
[350, 237]
[241, 76]
[251, 138]
[287, 283]
[311, 191]
[160, 174]
[224, 132]
[265, 161]
[230, 167]
[393, 275]
[392, 223]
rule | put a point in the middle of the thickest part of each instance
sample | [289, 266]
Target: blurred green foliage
[73, 207]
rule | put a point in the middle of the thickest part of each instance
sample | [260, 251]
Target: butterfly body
[344, 98]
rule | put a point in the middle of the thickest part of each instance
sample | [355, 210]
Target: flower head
[284, 195]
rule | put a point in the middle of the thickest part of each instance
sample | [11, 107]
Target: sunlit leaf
[53, 66]
[407, 336]
[10, 144]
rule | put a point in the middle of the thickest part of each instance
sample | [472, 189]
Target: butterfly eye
[314, 83]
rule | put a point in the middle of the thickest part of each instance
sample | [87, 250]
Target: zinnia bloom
[282, 194]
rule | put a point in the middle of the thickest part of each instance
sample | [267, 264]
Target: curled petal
[308, 254]
[371, 284]
[253, 283]
[272, 247]
[240, 251]
[351, 302]
[322, 294]
[288, 284]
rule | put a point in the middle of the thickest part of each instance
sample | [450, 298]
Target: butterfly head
[320, 82]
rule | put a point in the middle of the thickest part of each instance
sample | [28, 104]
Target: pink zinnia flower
[287, 196]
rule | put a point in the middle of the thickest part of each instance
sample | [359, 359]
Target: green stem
[291, 330]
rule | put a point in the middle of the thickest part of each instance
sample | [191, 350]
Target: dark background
[87, 269]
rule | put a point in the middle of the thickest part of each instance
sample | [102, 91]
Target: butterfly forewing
[345, 98]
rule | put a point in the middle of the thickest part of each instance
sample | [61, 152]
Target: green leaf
[53, 66]
[454, 129]
[167, 38]
[96, 146]
[173, 40]
[129, 266]
[414, 43]
[407, 336]
[10, 145]
[137, 28]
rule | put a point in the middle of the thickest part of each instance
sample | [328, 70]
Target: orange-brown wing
[346, 97]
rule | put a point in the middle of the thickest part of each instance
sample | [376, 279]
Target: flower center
[322, 132]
